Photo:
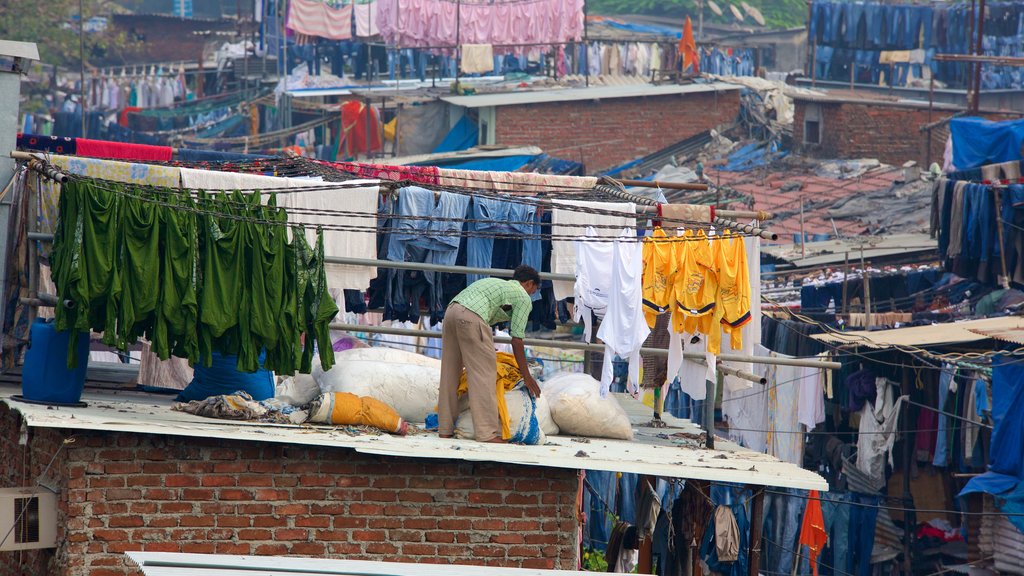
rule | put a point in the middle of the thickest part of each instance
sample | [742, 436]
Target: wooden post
[756, 526]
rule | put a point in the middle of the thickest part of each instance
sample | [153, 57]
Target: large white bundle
[522, 415]
[298, 390]
[389, 355]
[543, 410]
[579, 410]
[406, 381]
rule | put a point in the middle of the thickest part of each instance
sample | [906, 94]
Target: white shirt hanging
[624, 328]
[593, 280]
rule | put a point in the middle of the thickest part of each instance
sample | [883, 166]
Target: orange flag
[812, 531]
[688, 48]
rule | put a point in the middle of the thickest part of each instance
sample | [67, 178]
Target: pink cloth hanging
[366, 20]
[318, 19]
[431, 23]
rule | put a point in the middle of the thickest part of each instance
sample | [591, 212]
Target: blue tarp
[645, 28]
[1006, 466]
[977, 141]
[752, 156]
[497, 164]
[463, 136]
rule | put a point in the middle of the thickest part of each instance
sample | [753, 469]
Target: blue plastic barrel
[46, 376]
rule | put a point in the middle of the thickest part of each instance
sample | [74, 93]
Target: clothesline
[373, 229]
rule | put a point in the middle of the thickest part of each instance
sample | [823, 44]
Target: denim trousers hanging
[863, 515]
[493, 217]
[786, 513]
[426, 232]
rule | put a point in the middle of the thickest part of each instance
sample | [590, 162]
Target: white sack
[578, 409]
[406, 381]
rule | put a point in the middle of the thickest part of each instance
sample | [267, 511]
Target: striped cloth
[315, 18]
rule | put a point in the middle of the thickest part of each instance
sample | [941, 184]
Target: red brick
[369, 536]
[419, 549]
[383, 548]
[440, 537]
[361, 509]
[308, 549]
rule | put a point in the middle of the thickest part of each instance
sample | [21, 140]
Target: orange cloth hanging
[355, 124]
[688, 48]
[812, 532]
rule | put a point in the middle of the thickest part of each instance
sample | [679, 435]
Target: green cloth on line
[193, 275]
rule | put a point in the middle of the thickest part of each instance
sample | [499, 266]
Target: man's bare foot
[495, 441]
[446, 436]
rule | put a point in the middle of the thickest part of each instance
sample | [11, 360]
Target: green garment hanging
[215, 273]
[174, 327]
[84, 260]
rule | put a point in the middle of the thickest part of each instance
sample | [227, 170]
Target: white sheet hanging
[570, 223]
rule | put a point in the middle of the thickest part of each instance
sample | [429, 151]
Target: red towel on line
[122, 151]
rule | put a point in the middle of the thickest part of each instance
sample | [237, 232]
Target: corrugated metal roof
[931, 335]
[15, 49]
[1006, 334]
[836, 251]
[1001, 541]
[668, 452]
[179, 564]
[574, 94]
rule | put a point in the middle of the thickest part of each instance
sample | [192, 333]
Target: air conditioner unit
[28, 519]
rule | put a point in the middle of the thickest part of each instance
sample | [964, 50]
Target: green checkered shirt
[486, 297]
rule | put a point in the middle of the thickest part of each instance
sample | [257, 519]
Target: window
[812, 132]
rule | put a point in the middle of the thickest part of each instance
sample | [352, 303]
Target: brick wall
[606, 133]
[20, 465]
[888, 132]
[127, 492]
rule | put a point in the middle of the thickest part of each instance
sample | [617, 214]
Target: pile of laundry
[384, 390]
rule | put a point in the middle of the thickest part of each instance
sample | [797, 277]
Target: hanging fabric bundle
[193, 275]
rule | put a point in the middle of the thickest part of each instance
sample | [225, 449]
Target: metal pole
[666, 185]
[1005, 281]
[980, 20]
[709, 409]
[756, 528]
[81, 65]
[931, 104]
[574, 345]
[458, 43]
[586, 46]
[909, 518]
[803, 235]
[846, 275]
[867, 290]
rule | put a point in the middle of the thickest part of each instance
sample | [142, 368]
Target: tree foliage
[53, 26]
[777, 13]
